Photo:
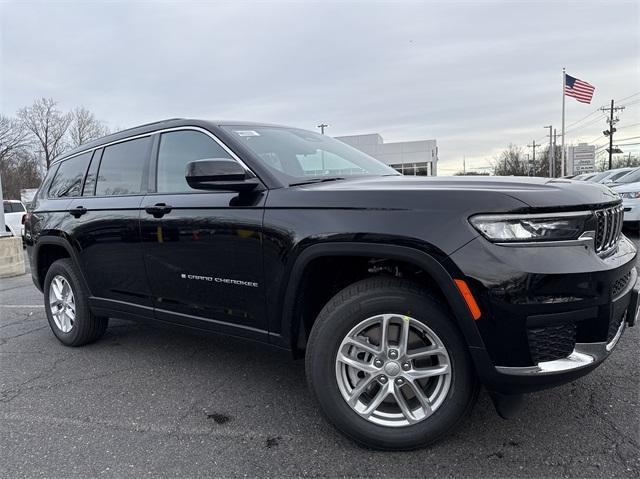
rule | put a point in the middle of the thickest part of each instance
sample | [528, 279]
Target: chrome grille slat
[608, 228]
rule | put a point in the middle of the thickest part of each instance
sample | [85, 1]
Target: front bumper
[550, 314]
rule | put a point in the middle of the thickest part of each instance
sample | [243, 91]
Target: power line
[630, 96]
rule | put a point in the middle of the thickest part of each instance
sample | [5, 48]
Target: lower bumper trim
[583, 355]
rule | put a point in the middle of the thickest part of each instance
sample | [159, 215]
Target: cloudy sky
[476, 76]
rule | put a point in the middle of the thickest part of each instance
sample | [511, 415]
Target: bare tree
[12, 136]
[511, 162]
[48, 127]
[85, 127]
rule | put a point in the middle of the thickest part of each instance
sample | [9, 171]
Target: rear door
[106, 226]
[202, 249]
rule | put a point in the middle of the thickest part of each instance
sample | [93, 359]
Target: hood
[533, 191]
[627, 187]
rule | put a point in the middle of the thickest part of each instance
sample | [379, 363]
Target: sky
[475, 76]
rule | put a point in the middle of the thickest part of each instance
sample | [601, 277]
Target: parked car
[14, 217]
[403, 293]
[629, 177]
[615, 174]
[630, 194]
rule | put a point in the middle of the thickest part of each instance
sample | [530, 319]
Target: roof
[149, 128]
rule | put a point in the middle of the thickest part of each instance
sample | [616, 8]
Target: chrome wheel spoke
[384, 332]
[377, 399]
[359, 389]
[428, 372]
[404, 407]
[360, 344]
[355, 363]
[404, 335]
[421, 396]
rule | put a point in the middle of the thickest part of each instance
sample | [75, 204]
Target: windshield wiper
[316, 180]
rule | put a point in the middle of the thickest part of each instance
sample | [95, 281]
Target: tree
[12, 136]
[85, 127]
[511, 162]
[19, 169]
[48, 127]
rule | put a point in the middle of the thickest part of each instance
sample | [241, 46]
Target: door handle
[158, 210]
[78, 211]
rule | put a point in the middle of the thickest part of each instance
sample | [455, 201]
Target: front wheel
[388, 365]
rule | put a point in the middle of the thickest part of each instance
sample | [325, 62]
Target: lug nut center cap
[392, 368]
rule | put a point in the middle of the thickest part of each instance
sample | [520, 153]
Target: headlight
[536, 227]
[631, 194]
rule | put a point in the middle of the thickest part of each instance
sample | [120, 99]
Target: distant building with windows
[581, 159]
[408, 157]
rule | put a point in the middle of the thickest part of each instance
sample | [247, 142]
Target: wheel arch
[46, 251]
[292, 323]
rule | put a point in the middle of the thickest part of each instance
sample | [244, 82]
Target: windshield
[631, 177]
[599, 176]
[300, 156]
[615, 176]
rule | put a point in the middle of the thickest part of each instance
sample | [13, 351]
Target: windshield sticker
[246, 133]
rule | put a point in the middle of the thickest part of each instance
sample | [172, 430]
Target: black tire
[362, 300]
[87, 327]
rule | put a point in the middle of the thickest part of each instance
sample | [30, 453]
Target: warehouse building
[408, 157]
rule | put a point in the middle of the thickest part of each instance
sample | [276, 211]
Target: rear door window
[122, 169]
[68, 180]
[17, 207]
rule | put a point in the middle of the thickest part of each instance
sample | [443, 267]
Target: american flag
[578, 89]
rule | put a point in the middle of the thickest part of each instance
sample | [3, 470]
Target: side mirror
[219, 174]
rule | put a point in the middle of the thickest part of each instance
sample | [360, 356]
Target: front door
[202, 249]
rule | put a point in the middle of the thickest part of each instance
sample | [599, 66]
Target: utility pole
[533, 160]
[322, 126]
[611, 110]
[555, 138]
[551, 152]
[464, 165]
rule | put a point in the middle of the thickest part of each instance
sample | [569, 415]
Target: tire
[403, 304]
[85, 327]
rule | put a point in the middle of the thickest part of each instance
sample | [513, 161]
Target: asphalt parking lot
[153, 402]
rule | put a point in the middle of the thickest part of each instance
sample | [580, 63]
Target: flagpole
[564, 82]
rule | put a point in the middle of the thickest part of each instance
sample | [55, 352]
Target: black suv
[403, 293]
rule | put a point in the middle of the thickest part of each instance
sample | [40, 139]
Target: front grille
[551, 342]
[608, 228]
[619, 284]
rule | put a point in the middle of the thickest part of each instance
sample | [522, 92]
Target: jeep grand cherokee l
[405, 294]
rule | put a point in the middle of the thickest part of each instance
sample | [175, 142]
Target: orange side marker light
[468, 298]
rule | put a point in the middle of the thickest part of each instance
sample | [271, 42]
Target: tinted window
[17, 207]
[122, 168]
[176, 150]
[7, 207]
[68, 179]
[90, 181]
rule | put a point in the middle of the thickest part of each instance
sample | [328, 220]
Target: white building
[581, 159]
[408, 157]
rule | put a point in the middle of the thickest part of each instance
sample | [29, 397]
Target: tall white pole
[3, 229]
[564, 82]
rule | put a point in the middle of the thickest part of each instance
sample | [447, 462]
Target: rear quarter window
[68, 179]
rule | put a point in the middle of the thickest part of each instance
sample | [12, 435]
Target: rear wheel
[388, 366]
[67, 306]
